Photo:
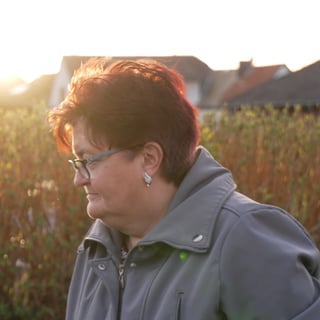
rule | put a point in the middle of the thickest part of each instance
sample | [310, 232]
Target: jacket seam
[234, 212]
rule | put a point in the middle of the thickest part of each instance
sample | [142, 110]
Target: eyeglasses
[81, 164]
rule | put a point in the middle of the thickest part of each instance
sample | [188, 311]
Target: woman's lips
[91, 196]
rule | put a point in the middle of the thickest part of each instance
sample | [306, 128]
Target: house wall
[59, 87]
[193, 92]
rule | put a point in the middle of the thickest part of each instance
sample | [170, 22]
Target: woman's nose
[79, 180]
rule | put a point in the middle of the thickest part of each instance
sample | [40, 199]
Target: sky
[36, 34]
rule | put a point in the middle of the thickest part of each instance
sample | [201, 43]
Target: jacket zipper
[121, 268]
[121, 275]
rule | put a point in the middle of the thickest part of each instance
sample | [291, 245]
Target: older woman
[171, 238]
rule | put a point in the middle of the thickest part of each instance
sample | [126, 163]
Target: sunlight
[35, 35]
[27, 67]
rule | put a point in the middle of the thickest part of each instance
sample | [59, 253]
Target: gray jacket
[216, 255]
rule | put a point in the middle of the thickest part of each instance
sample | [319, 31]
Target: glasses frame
[81, 164]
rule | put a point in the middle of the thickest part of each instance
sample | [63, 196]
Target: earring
[147, 179]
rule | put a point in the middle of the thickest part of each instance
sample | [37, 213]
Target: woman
[171, 238]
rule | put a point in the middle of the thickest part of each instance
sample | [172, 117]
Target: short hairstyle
[126, 103]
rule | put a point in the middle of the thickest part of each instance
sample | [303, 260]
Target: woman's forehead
[82, 139]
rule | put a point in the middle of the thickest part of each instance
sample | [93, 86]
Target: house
[196, 74]
[296, 88]
[228, 84]
[205, 88]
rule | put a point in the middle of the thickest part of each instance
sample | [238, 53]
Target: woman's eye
[91, 163]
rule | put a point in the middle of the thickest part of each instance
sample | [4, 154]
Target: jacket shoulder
[240, 209]
[239, 205]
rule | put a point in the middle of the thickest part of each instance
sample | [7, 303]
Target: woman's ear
[152, 157]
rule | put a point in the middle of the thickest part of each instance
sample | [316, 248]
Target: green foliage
[274, 156]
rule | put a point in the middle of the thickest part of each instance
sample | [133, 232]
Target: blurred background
[251, 67]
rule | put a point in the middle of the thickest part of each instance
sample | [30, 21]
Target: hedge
[274, 157]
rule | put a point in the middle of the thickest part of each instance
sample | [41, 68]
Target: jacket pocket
[179, 305]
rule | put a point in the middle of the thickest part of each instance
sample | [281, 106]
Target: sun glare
[27, 68]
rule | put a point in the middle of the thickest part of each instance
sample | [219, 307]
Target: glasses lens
[79, 165]
[83, 170]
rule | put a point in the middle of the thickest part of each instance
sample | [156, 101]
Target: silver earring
[147, 179]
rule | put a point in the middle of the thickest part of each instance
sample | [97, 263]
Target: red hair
[128, 103]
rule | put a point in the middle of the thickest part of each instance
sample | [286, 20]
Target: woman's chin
[94, 212]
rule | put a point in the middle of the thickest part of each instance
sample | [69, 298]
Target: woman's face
[115, 189]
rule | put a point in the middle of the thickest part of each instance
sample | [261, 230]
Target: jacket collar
[109, 238]
[190, 221]
[194, 210]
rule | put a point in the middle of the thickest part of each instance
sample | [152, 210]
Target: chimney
[244, 67]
